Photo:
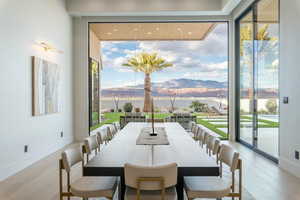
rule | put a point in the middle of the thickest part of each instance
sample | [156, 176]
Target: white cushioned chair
[191, 126]
[217, 187]
[151, 183]
[100, 138]
[84, 187]
[91, 145]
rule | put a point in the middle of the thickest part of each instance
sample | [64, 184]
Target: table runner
[146, 139]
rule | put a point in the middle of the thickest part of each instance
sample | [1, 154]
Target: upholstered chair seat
[217, 187]
[170, 194]
[150, 183]
[206, 187]
[94, 187]
[85, 186]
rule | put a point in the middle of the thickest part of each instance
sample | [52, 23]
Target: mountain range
[182, 88]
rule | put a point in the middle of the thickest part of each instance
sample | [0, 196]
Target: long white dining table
[191, 159]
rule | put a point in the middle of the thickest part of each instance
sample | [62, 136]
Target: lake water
[164, 104]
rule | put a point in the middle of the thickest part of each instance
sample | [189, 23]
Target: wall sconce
[48, 48]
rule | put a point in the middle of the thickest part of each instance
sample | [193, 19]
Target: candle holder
[153, 133]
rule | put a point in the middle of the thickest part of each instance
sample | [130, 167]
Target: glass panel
[246, 78]
[267, 54]
[94, 92]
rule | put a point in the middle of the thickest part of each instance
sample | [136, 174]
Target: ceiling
[267, 12]
[150, 8]
[152, 31]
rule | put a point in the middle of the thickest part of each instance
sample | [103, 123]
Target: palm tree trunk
[147, 93]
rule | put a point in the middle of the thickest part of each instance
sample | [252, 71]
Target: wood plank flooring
[263, 179]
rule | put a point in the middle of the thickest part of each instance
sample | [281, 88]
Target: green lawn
[202, 118]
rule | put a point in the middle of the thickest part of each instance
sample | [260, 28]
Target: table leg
[123, 187]
[179, 186]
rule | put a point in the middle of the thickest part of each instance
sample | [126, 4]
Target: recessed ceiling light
[157, 28]
[135, 29]
[190, 33]
[149, 33]
[115, 30]
[108, 33]
[178, 29]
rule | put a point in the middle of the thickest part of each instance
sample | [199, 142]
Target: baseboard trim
[11, 169]
[290, 166]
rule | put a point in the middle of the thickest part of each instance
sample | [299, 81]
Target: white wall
[289, 84]
[23, 23]
[142, 7]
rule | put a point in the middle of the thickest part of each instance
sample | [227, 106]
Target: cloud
[206, 56]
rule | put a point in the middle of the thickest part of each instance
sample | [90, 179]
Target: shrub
[119, 110]
[199, 107]
[271, 106]
[137, 110]
[112, 110]
[127, 107]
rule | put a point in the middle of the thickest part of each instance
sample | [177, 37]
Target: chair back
[205, 137]
[116, 125]
[200, 135]
[216, 147]
[194, 128]
[191, 125]
[71, 157]
[133, 173]
[210, 142]
[109, 132]
[229, 156]
[91, 144]
[99, 138]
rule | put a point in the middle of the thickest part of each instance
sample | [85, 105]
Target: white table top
[123, 149]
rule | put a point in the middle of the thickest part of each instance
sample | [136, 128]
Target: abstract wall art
[46, 87]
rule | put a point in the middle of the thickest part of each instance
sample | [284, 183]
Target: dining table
[191, 158]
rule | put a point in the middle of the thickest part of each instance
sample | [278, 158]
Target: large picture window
[182, 67]
[258, 60]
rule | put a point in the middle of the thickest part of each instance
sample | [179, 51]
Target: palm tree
[246, 49]
[147, 63]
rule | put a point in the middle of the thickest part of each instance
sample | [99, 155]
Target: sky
[199, 60]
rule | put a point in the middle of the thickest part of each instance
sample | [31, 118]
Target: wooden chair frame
[63, 194]
[67, 194]
[85, 152]
[150, 179]
[234, 194]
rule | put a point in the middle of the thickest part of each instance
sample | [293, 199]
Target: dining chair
[106, 136]
[109, 133]
[90, 146]
[150, 183]
[201, 136]
[217, 187]
[117, 126]
[205, 138]
[195, 133]
[85, 186]
[213, 146]
[99, 139]
[210, 144]
[191, 126]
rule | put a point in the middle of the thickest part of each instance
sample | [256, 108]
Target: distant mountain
[182, 88]
[187, 83]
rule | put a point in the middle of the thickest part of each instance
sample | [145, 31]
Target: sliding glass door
[246, 78]
[258, 77]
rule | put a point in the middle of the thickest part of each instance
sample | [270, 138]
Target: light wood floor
[262, 178]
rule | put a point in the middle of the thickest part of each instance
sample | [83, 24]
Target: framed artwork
[46, 87]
